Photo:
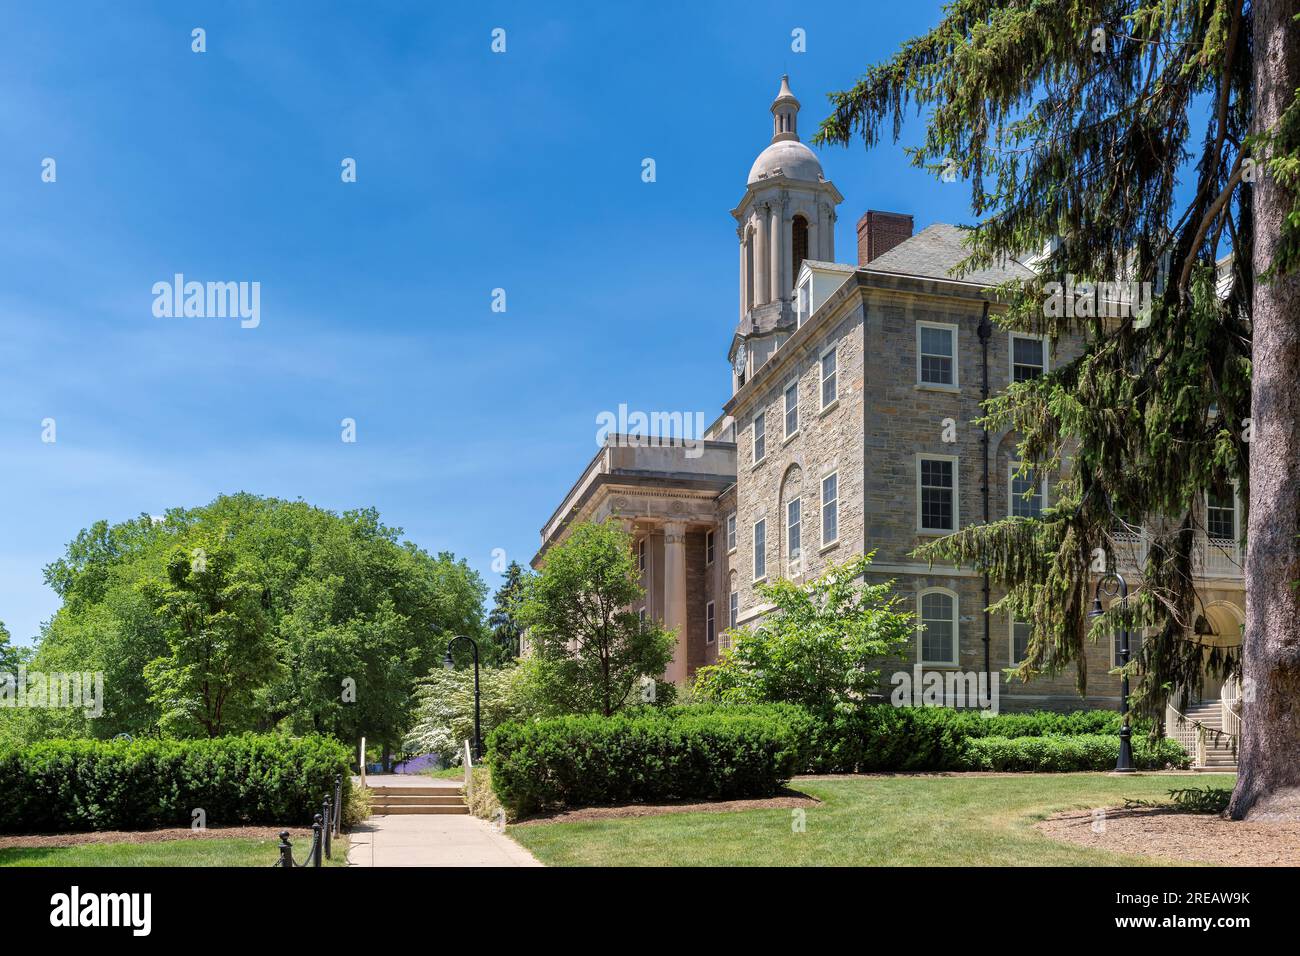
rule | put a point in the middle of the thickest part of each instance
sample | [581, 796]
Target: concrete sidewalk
[433, 840]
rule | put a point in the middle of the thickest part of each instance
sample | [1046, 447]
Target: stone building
[849, 429]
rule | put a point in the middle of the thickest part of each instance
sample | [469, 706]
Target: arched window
[938, 615]
[799, 242]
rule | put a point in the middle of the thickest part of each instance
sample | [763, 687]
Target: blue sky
[475, 171]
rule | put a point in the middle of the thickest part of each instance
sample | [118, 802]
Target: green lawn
[194, 852]
[867, 821]
[446, 773]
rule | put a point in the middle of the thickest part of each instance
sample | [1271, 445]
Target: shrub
[357, 805]
[882, 738]
[647, 755]
[484, 803]
[64, 785]
[1063, 754]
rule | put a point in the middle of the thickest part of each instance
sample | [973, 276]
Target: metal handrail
[469, 775]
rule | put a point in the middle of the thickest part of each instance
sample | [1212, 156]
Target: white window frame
[709, 547]
[759, 552]
[1012, 468]
[955, 384]
[754, 456]
[956, 493]
[822, 378]
[790, 432]
[1011, 640]
[956, 627]
[1236, 515]
[793, 544]
[643, 555]
[733, 609]
[731, 532]
[821, 494]
[710, 624]
[1011, 352]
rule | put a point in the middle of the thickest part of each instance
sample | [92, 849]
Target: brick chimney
[878, 232]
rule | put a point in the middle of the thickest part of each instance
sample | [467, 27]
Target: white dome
[790, 157]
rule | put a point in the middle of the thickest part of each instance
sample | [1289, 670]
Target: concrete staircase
[423, 798]
[1219, 755]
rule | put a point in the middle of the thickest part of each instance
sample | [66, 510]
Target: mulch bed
[43, 840]
[1182, 837]
[785, 800]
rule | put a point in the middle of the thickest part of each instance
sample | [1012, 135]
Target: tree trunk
[1268, 783]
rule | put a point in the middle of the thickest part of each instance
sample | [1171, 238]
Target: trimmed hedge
[65, 785]
[675, 753]
[1062, 754]
[884, 738]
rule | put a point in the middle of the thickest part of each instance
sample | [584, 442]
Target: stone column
[675, 596]
[762, 259]
[814, 243]
[778, 237]
[740, 234]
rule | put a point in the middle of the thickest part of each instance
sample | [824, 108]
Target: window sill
[941, 665]
[936, 387]
[762, 580]
[754, 466]
[829, 408]
[935, 532]
[829, 546]
[789, 438]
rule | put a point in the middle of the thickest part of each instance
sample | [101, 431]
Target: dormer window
[803, 301]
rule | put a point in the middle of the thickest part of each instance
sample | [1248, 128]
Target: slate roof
[934, 251]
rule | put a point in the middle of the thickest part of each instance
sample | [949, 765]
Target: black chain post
[315, 843]
[329, 826]
[338, 804]
[286, 850]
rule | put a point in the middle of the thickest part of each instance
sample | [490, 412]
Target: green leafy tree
[444, 710]
[219, 649]
[502, 621]
[10, 656]
[1136, 140]
[820, 647]
[355, 615]
[590, 652]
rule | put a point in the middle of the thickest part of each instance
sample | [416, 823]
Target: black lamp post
[449, 664]
[1120, 588]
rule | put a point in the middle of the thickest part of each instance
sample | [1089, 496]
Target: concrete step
[418, 798]
[419, 808]
[418, 790]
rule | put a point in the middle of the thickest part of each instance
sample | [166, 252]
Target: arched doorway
[1218, 626]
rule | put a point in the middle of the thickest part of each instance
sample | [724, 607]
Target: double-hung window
[1028, 357]
[830, 509]
[936, 354]
[830, 372]
[938, 617]
[760, 549]
[793, 528]
[936, 478]
[1028, 493]
[791, 409]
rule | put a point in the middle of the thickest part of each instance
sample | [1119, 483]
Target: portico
[668, 502]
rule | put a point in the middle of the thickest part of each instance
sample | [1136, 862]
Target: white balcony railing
[1211, 557]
